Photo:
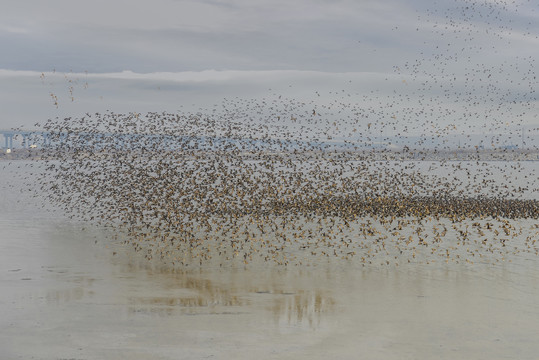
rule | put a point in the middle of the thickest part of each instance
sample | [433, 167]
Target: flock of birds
[337, 177]
[198, 189]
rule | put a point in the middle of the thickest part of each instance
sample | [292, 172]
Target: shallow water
[67, 295]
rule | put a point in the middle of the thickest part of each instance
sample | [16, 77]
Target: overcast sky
[453, 60]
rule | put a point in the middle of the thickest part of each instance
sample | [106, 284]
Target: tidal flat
[71, 291]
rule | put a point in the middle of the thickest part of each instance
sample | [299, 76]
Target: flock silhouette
[200, 189]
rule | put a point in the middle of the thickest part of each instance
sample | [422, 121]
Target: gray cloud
[439, 58]
[168, 35]
[189, 35]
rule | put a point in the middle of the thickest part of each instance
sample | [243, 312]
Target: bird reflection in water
[192, 294]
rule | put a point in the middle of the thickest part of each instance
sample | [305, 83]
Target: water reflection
[58, 296]
[91, 274]
[234, 292]
[303, 309]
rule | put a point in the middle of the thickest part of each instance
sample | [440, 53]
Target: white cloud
[14, 29]
[195, 76]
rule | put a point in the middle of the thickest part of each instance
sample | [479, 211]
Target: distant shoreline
[343, 155]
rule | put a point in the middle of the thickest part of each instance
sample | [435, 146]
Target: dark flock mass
[298, 182]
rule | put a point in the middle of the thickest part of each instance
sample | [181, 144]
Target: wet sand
[64, 296]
